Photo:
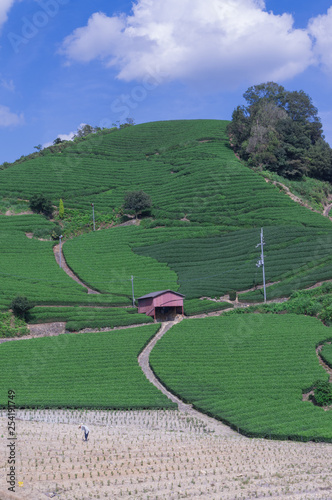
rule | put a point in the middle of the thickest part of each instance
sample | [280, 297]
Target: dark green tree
[21, 307]
[137, 201]
[41, 205]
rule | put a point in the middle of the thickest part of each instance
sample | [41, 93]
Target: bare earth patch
[156, 454]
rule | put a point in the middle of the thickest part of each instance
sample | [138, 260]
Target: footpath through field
[143, 360]
[67, 270]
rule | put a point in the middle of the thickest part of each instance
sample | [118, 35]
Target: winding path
[297, 199]
[143, 360]
[66, 268]
[327, 209]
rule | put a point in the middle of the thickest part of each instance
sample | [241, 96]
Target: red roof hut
[163, 305]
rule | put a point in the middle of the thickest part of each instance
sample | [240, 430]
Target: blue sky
[68, 62]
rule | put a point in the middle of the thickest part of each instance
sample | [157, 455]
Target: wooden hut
[164, 305]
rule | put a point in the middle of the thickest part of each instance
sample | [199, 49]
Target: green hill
[201, 237]
[187, 167]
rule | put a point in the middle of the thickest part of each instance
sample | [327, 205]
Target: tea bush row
[78, 318]
[90, 370]
[198, 306]
[248, 371]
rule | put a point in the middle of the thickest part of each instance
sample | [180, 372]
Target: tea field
[187, 167]
[200, 261]
[28, 266]
[326, 354]
[200, 239]
[248, 371]
[90, 370]
[78, 318]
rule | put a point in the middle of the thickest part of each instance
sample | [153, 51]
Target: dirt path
[295, 198]
[143, 360]
[66, 268]
[59, 328]
[327, 209]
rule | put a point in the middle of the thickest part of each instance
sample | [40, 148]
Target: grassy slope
[248, 371]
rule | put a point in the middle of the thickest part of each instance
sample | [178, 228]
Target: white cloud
[67, 137]
[219, 41]
[320, 28]
[63, 137]
[5, 6]
[9, 119]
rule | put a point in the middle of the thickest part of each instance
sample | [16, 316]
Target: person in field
[85, 430]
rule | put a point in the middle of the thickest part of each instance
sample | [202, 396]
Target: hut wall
[145, 306]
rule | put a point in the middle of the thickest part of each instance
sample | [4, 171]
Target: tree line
[279, 130]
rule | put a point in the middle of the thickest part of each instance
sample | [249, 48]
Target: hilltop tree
[280, 131]
[58, 140]
[85, 130]
[138, 201]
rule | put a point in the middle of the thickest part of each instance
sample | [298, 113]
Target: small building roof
[156, 294]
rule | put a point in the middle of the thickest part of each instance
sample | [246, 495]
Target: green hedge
[198, 306]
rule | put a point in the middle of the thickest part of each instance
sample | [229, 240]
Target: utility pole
[60, 237]
[132, 289]
[93, 216]
[261, 261]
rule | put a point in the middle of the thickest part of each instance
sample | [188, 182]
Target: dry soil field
[156, 455]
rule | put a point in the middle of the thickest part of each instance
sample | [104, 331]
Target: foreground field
[90, 370]
[158, 454]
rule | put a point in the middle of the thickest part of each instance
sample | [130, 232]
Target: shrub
[57, 231]
[21, 306]
[41, 205]
[232, 295]
[323, 393]
[138, 201]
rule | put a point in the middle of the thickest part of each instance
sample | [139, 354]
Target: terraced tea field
[209, 205]
[78, 318]
[248, 371]
[187, 167]
[200, 262]
[28, 267]
[90, 370]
